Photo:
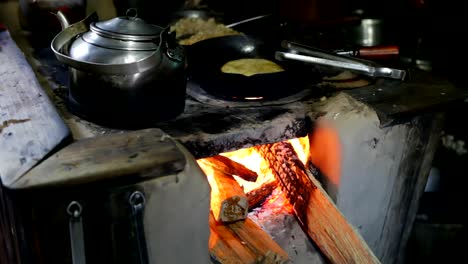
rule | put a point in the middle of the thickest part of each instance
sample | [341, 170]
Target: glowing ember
[278, 202]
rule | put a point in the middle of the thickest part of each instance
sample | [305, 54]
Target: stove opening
[260, 198]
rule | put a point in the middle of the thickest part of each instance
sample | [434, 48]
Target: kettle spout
[62, 19]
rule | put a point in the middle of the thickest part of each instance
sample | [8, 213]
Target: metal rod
[246, 20]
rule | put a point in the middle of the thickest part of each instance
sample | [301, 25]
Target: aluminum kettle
[124, 72]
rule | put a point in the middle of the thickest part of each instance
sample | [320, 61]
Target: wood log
[259, 242]
[225, 247]
[30, 126]
[259, 195]
[243, 242]
[228, 200]
[317, 214]
[228, 166]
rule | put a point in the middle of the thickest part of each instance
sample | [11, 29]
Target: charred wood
[316, 212]
[257, 196]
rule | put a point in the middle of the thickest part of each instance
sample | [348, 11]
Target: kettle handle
[63, 39]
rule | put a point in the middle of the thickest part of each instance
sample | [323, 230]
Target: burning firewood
[243, 242]
[317, 214]
[228, 166]
[259, 195]
[228, 200]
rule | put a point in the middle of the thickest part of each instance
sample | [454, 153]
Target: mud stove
[75, 192]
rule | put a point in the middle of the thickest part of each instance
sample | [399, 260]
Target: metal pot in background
[124, 72]
[370, 32]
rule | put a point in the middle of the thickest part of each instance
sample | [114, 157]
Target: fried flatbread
[249, 67]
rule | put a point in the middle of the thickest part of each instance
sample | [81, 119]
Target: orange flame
[323, 148]
[253, 160]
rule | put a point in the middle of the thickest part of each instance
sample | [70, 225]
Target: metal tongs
[307, 54]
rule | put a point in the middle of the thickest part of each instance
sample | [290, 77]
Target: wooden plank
[228, 200]
[30, 126]
[318, 215]
[137, 154]
[243, 242]
[228, 166]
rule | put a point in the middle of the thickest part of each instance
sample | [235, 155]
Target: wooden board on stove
[30, 126]
[141, 154]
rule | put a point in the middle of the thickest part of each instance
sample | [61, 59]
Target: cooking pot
[123, 72]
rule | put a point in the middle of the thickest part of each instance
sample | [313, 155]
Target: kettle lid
[126, 28]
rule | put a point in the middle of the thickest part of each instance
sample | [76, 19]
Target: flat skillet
[205, 59]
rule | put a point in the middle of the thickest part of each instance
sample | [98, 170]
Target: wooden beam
[228, 166]
[30, 126]
[228, 200]
[317, 214]
[243, 242]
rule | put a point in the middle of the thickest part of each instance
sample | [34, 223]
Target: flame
[208, 170]
[278, 202]
[302, 148]
[253, 160]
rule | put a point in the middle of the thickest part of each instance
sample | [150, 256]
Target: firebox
[266, 185]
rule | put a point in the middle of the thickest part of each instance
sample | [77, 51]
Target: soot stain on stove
[211, 123]
[214, 123]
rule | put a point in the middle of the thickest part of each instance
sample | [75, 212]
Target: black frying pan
[205, 59]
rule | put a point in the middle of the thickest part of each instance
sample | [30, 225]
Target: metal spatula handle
[247, 20]
[356, 67]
